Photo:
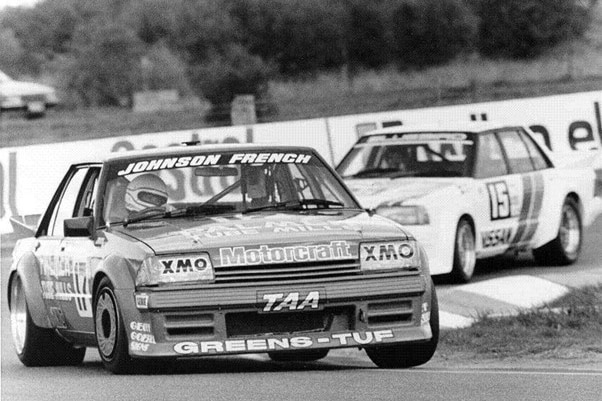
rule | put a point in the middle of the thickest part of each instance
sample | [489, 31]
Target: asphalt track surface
[343, 375]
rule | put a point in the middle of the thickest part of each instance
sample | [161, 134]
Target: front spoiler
[262, 344]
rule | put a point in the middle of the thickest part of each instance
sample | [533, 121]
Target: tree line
[101, 51]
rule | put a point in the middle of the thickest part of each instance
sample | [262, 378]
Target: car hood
[374, 192]
[254, 230]
[18, 88]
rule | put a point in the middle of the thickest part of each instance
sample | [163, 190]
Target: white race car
[470, 195]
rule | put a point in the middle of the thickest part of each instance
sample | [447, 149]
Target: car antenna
[191, 143]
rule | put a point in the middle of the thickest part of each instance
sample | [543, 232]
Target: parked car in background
[213, 250]
[30, 97]
[467, 195]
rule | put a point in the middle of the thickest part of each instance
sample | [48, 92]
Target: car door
[531, 173]
[69, 266]
[499, 197]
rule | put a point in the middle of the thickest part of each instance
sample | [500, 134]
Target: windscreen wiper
[371, 172]
[296, 204]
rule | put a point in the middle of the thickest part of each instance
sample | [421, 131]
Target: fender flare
[28, 271]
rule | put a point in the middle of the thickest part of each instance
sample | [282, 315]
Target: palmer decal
[241, 256]
[348, 339]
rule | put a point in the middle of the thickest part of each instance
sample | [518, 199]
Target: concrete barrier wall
[567, 123]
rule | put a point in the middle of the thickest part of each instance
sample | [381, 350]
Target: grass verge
[569, 328]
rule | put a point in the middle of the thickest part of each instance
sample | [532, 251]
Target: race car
[472, 194]
[194, 251]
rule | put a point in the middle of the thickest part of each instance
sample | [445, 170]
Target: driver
[255, 181]
[145, 191]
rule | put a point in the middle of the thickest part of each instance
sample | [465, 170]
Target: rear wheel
[464, 252]
[37, 346]
[565, 248]
[300, 356]
[409, 355]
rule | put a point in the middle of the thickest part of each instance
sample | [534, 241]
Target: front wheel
[464, 253]
[37, 346]
[565, 248]
[111, 337]
[409, 355]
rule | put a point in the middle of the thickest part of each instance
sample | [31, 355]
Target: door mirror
[79, 226]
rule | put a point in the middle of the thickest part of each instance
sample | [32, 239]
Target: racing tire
[565, 248]
[298, 356]
[37, 346]
[109, 330]
[404, 356]
[464, 253]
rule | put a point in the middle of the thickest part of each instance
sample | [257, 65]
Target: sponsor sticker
[500, 236]
[291, 301]
[141, 301]
[379, 255]
[242, 256]
[214, 159]
[352, 339]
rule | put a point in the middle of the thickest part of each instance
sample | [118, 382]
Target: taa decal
[499, 200]
[501, 236]
[293, 301]
[347, 339]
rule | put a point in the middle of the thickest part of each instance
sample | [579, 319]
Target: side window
[76, 200]
[540, 161]
[516, 151]
[490, 159]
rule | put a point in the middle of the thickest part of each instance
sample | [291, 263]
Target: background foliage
[99, 51]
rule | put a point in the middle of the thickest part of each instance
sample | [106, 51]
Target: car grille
[265, 274]
[253, 323]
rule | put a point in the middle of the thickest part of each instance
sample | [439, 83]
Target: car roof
[196, 149]
[449, 127]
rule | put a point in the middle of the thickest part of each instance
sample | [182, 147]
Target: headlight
[409, 215]
[385, 255]
[174, 269]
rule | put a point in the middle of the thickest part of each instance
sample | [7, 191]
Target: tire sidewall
[118, 361]
[458, 271]
[571, 257]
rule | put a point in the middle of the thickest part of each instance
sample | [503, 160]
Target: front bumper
[382, 309]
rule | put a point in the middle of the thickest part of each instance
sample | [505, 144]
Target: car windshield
[218, 183]
[409, 155]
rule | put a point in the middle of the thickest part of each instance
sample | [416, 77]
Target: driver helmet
[255, 182]
[145, 191]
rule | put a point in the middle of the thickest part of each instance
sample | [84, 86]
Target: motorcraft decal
[242, 256]
[351, 339]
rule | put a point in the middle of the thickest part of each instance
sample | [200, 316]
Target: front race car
[259, 252]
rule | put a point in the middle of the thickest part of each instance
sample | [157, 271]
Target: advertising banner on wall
[569, 124]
